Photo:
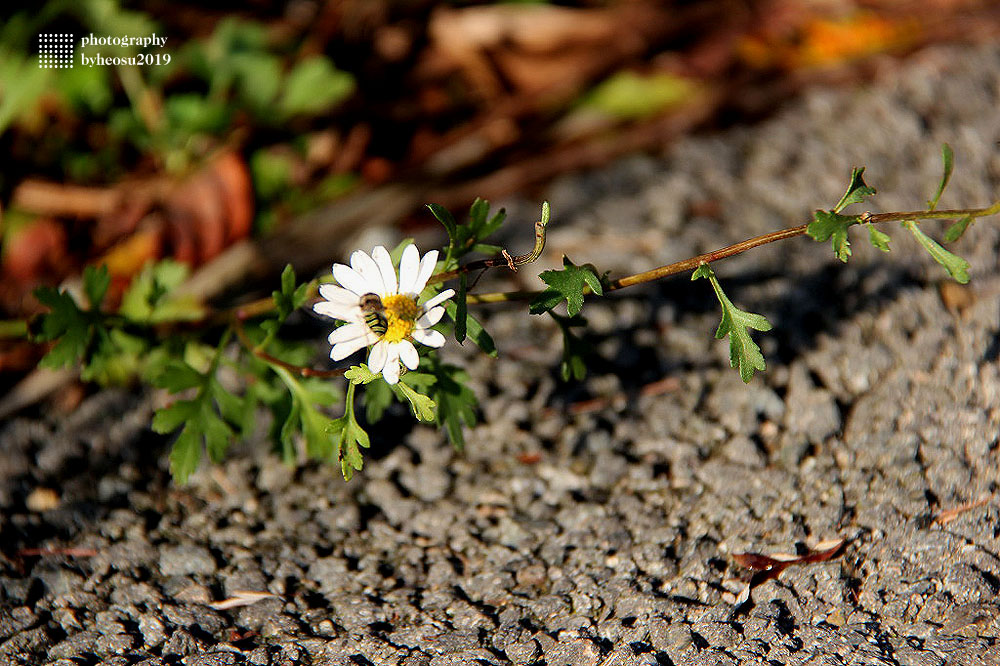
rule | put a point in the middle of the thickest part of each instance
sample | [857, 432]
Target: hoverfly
[374, 313]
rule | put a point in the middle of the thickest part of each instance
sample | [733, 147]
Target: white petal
[351, 279]
[369, 270]
[440, 298]
[426, 270]
[428, 337]
[430, 317]
[339, 311]
[342, 350]
[408, 354]
[377, 357]
[409, 265]
[336, 294]
[347, 332]
[391, 370]
[385, 267]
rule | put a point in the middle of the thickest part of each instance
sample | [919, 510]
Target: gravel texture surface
[596, 523]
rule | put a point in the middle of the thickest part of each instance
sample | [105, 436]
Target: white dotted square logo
[55, 50]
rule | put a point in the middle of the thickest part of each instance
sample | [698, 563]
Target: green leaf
[71, 327]
[443, 215]
[829, 225]
[319, 445]
[185, 455]
[575, 349]
[956, 230]
[856, 192]
[456, 403]
[151, 298]
[878, 238]
[948, 158]
[378, 397]
[744, 353]
[313, 87]
[360, 374]
[465, 238]
[569, 284]
[957, 267]
[481, 224]
[486, 248]
[475, 330]
[461, 310]
[171, 417]
[422, 406]
[627, 94]
[349, 436]
[177, 376]
[96, 281]
[289, 298]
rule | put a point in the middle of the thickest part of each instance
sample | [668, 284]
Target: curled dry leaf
[766, 567]
[192, 220]
[774, 564]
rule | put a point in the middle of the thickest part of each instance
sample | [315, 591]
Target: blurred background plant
[271, 132]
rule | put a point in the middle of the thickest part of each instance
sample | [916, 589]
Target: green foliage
[461, 316]
[630, 95]
[205, 419]
[575, 349]
[313, 87]
[474, 329]
[568, 285]
[149, 336]
[72, 328]
[468, 237]
[829, 225]
[22, 84]
[290, 297]
[307, 395]
[743, 351]
[856, 192]
[456, 403]
[378, 395]
[948, 160]
[349, 436]
[958, 228]
[957, 267]
[151, 297]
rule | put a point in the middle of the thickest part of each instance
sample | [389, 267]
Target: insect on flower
[374, 313]
[382, 310]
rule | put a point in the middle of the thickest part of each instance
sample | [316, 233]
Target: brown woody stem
[738, 248]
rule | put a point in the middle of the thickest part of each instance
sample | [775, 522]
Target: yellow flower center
[401, 317]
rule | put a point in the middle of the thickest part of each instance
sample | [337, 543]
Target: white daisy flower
[381, 311]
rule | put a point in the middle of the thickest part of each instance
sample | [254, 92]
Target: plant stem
[738, 248]
[506, 260]
[299, 370]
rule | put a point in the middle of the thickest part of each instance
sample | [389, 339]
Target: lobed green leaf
[856, 192]
[832, 226]
[568, 284]
[744, 354]
[96, 281]
[878, 239]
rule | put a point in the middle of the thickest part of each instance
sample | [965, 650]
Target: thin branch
[504, 260]
[299, 370]
[738, 248]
